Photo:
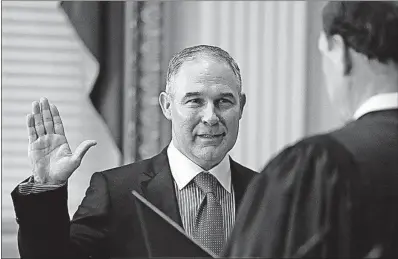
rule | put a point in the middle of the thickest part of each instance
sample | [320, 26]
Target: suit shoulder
[128, 169]
[121, 179]
[242, 168]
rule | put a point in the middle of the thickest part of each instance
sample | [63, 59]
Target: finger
[82, 149]
[30, 123]
[38, 119]
[47, 117]
[58, 126]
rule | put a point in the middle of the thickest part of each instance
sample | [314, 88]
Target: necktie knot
[206, 182]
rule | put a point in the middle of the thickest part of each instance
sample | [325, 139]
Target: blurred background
[103, 64]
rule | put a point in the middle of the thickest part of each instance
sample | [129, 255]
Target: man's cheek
[188, 129]
[231, 119]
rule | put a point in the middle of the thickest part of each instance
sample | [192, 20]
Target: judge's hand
[49, 151]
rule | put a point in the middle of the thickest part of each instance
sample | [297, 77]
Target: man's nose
[209, 115]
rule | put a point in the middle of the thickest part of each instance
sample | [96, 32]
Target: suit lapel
[158, 187]
[241, 177]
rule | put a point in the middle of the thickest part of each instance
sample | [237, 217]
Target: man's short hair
[370, 28]
[191, 53]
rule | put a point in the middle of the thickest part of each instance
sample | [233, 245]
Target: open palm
[49, 151]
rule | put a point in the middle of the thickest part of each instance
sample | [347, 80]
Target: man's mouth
[211, 136]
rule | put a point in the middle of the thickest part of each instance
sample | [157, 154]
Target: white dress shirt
[190, 197]
[184, 170]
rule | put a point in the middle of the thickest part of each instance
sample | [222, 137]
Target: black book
[163, 237]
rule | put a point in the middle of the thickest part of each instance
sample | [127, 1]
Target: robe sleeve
[299, 206]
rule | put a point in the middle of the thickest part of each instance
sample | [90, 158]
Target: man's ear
[242, 104]
[335, 50]
[165, 104]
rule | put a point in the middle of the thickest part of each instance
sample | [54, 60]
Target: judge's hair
[370, 28]
[194, 52]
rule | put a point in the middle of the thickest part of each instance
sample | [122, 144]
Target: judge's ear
[336, 50]
[165, 104]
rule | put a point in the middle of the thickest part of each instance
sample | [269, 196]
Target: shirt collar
[378, 102]
[184, 170]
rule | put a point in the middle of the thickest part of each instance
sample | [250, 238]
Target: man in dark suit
[336, 195]
[193, 180]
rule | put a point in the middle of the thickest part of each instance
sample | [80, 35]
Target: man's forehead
[206, 64]
[204, 73]
[208, 87]
[214, 79]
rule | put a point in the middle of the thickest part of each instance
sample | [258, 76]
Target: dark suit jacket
[328, 196]
[105, 224]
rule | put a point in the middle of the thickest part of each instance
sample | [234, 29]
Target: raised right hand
[49, 151]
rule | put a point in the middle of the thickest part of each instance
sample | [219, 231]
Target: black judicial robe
[328, 196]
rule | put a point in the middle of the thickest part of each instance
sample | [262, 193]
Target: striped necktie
[209, 228]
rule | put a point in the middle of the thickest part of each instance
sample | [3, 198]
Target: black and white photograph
[216, 129]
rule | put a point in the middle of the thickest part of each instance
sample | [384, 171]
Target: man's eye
[194, 101]
[224, 101]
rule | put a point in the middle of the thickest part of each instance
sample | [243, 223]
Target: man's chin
[210, 153]
[208, 156]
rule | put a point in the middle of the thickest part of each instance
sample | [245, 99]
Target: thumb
[82, 149]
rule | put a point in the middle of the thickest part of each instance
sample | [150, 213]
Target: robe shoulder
[297, 203]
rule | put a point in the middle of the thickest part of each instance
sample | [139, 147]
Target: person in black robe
[336, 195]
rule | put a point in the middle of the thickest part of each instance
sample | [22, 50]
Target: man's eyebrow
[196, 94]
[191, 94]
[227, 95]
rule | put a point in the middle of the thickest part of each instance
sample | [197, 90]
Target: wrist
[46, 181]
